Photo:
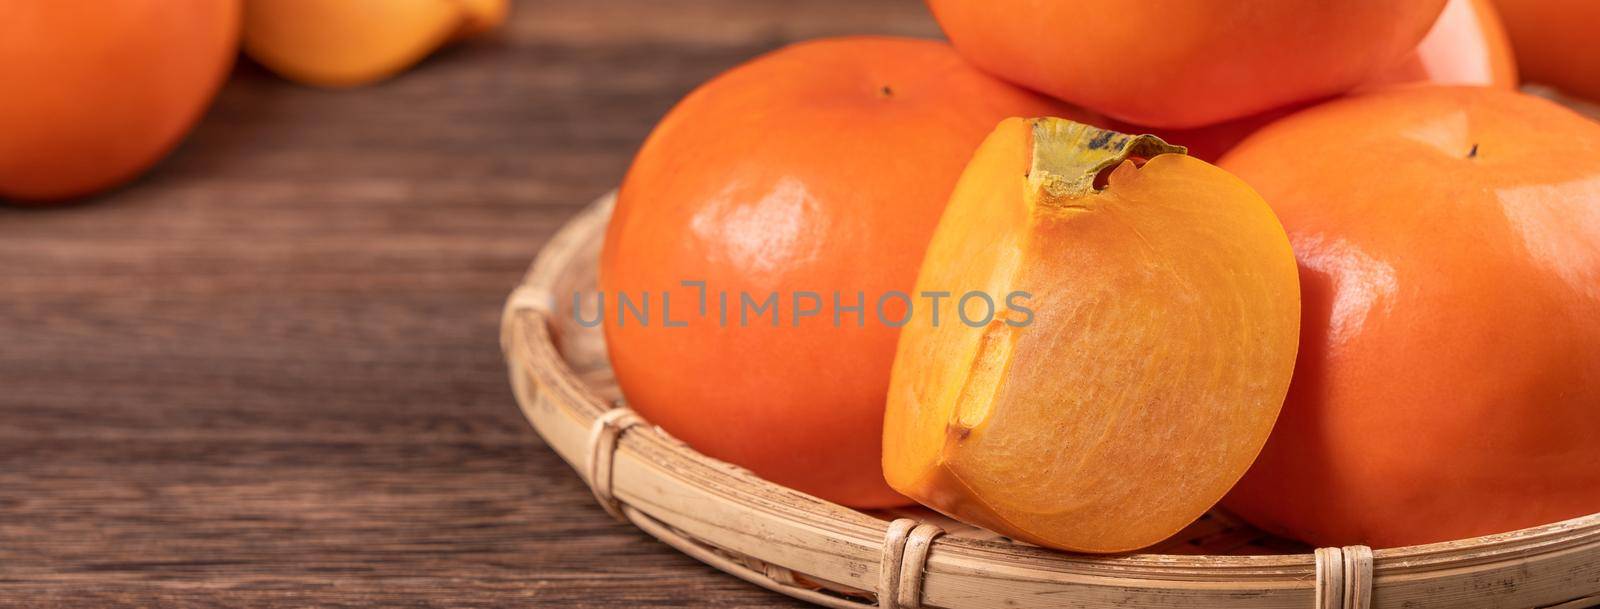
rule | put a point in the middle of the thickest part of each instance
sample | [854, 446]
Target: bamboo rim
[833, 556]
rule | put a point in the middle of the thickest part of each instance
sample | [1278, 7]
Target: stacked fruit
[97, 91]
[1376, 320]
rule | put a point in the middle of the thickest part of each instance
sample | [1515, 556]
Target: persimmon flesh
[1449, 381]
[1165, 312]
[819, 168]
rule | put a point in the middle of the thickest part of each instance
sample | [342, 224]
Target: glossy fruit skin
[1185, 63]
[819, 167]
[1556, 42]
[1466, 46]
[97, 91]
[1448, 384]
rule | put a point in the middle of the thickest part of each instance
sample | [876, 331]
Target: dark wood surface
[266, 374]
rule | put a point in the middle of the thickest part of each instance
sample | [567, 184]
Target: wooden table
[266, 374]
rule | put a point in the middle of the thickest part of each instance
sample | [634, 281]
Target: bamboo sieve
[834, 556]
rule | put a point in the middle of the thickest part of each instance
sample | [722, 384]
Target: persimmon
[1145, 373]
[1556, 42]
[98, 91]
[1185, 63]
[1210, 142]
[818, 169]
[1466, 46]
[1449, 379]
[346, 43]
[481, 16]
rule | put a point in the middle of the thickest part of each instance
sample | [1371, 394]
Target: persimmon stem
[1067, 155]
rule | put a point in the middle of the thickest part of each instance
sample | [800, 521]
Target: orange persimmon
[346, 43]
[1146, 368]
[1449, 382]
[1557, 42]
[1467, 46]
[97, 91]
[481, 16]
[1185, 63]
[819, 169]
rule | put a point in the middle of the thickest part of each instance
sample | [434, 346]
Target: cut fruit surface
[1147, 326]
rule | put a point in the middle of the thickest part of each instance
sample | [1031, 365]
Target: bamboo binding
[832, 556]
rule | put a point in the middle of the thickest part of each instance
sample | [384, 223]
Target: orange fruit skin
[820, 167]
[351, 43]
[1448, 383]
[1557, 42]
[1210, 142]
[99, 90]
[1467, 46]
[1185, 63]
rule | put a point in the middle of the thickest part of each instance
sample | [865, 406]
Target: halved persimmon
[1150, 333]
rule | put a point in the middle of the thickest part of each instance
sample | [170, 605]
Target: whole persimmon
[1185, 63]
[1466, 46]
[1557, 42]
[348, 43]
[1448, 383]
[97, 91]
[816, 173]
[1140, 370]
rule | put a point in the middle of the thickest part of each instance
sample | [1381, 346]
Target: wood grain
[266, 374]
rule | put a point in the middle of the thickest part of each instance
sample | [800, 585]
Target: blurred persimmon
[1557, 42]
[346, 43]
[1448, 383]
[1185, 63]
[819, 169]
[97, 91]
[1467, 46]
